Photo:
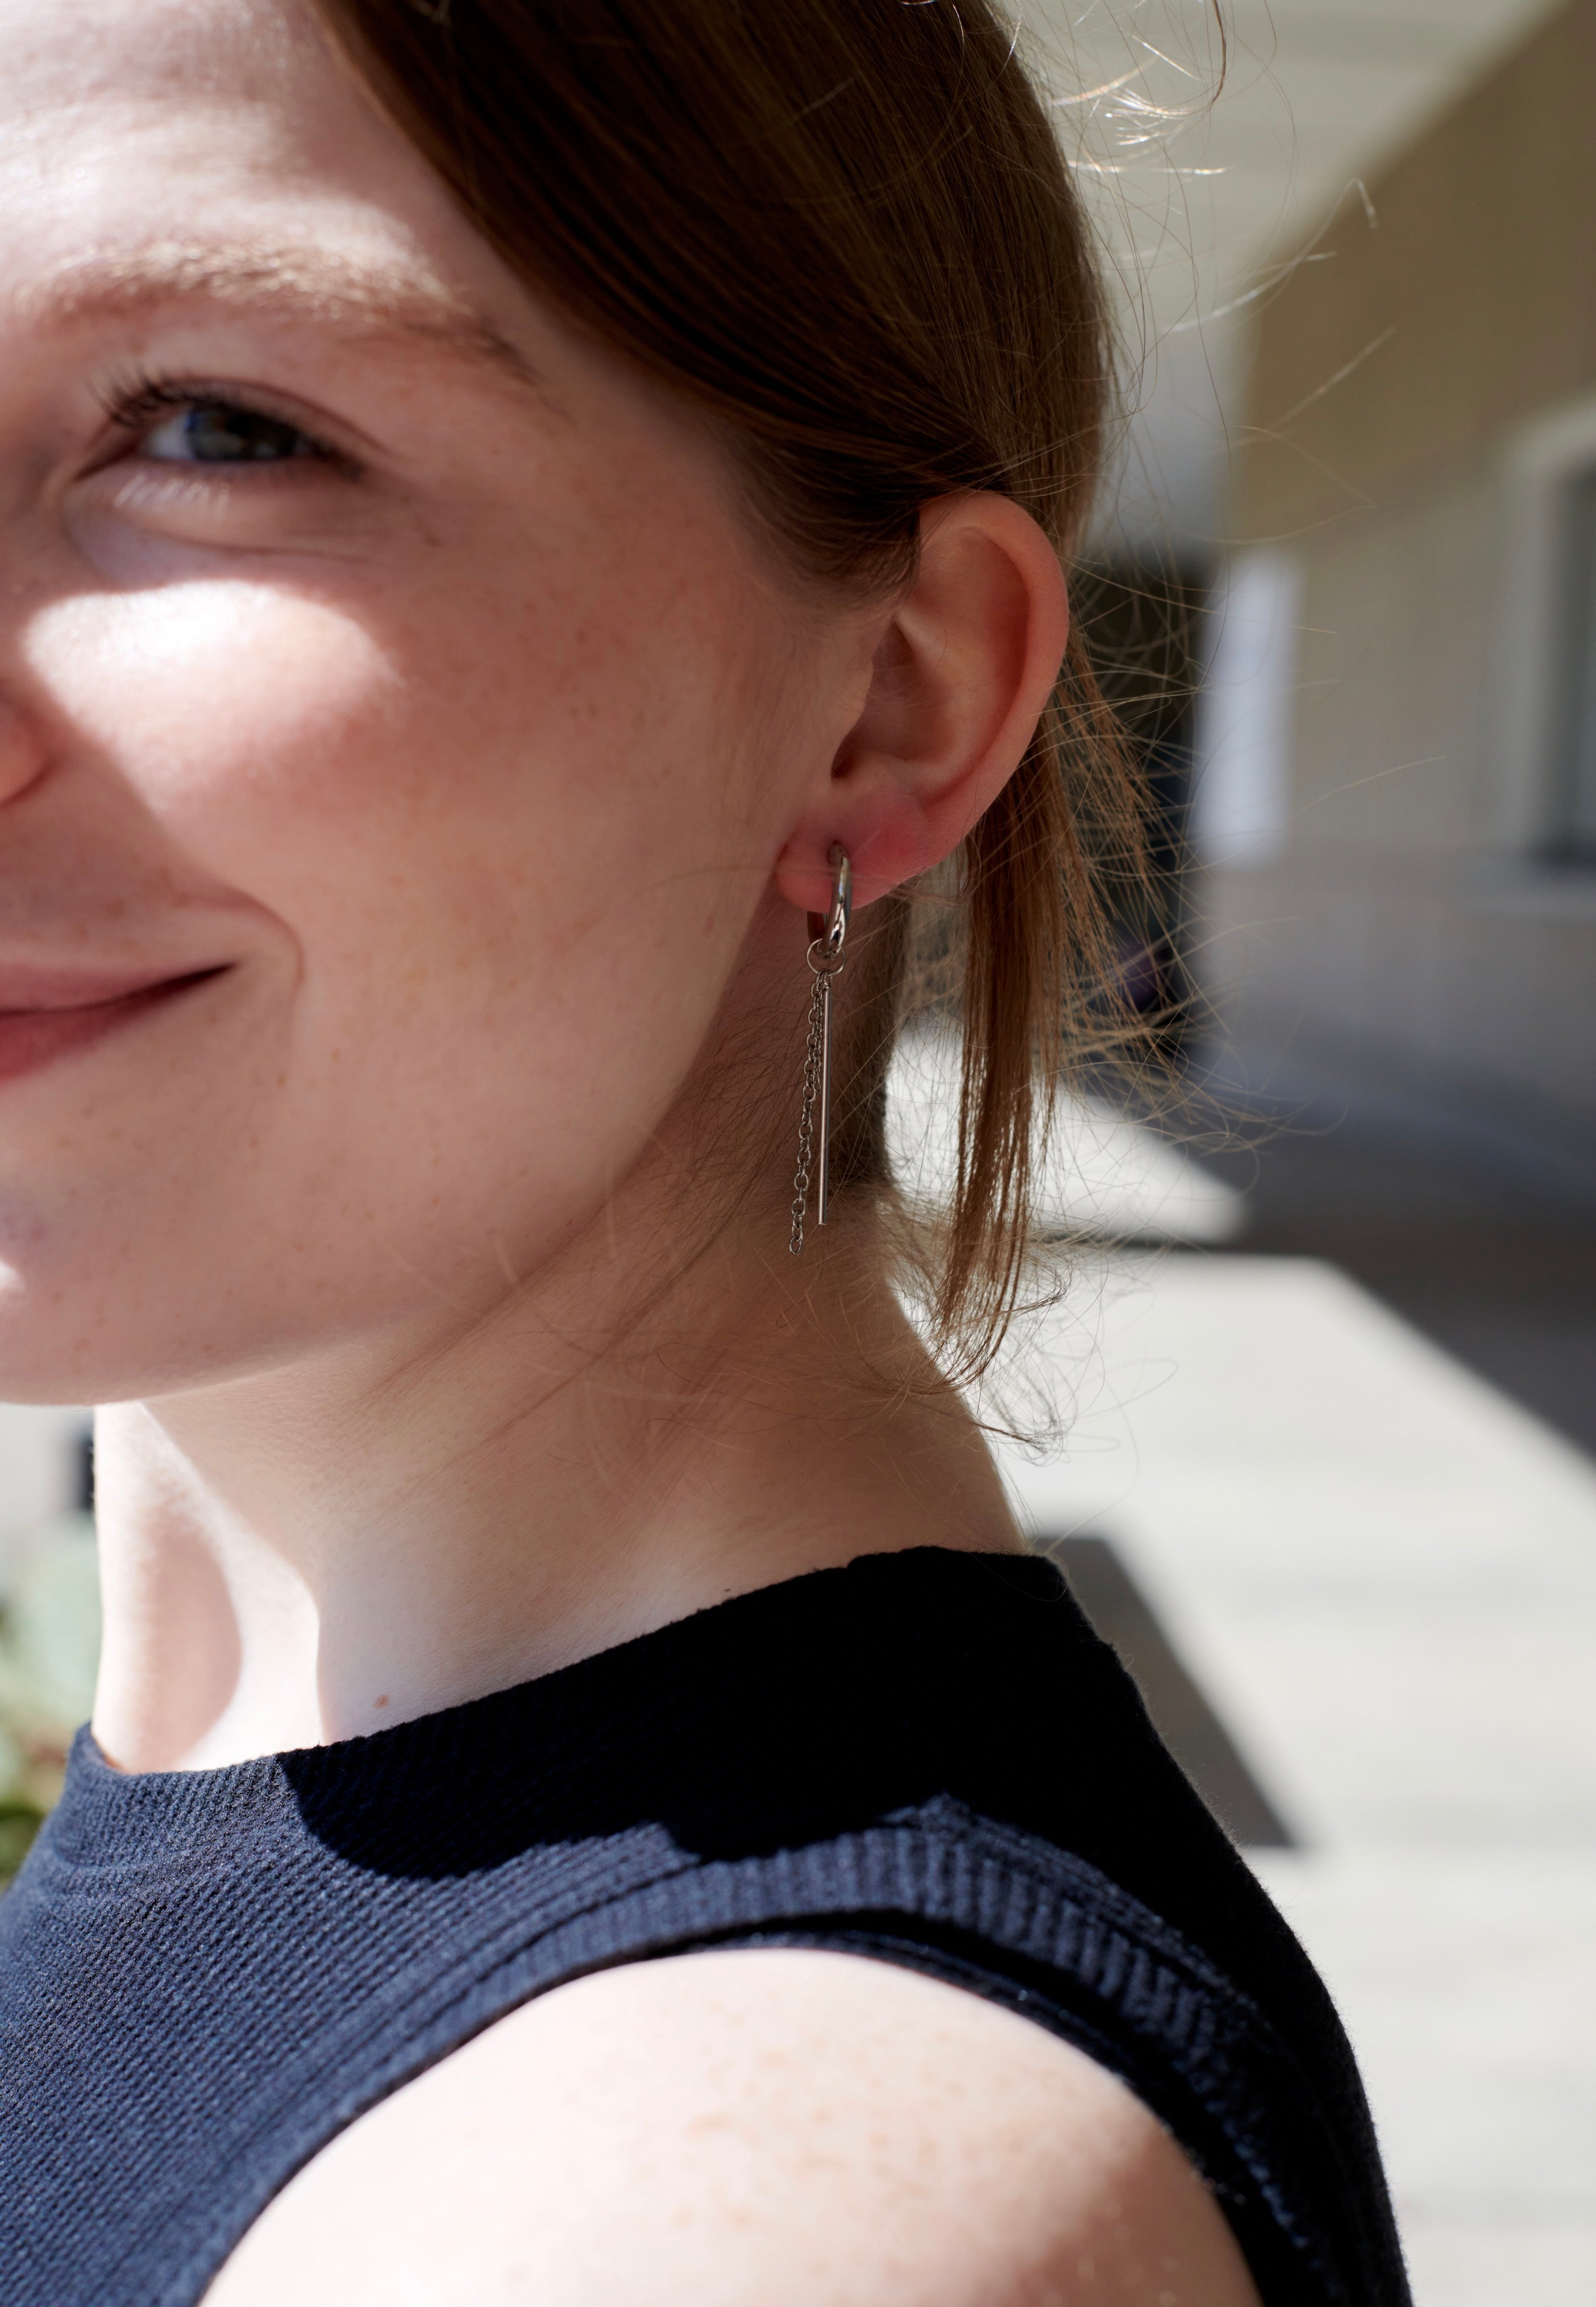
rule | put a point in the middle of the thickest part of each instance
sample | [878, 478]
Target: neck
[415, 1519]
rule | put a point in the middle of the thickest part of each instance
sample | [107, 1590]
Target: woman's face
[398, 721]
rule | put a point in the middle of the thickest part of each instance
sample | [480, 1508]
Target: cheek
[502, 841]
[223, 707]
[462, 773]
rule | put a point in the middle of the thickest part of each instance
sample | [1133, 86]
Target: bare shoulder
[755, 2129]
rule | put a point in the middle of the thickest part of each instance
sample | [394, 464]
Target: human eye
[220, 464]
[174, 422]
[217, 433]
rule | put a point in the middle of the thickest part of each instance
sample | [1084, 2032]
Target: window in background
[1241, 801]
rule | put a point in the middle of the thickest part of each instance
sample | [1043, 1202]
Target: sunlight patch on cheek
[187, 686]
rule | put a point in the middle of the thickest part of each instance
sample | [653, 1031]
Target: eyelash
[139, 396]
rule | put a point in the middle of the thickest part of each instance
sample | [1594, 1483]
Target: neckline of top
[89, 1767]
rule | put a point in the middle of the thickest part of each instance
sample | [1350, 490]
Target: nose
[23, 750]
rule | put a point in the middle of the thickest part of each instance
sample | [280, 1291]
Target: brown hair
[843, 230]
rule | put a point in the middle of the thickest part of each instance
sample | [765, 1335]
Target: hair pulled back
[843, 231]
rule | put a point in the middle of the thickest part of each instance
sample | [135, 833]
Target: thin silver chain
[826, 961]
[806, 1125]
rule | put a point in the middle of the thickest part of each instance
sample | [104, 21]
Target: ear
[963, 665]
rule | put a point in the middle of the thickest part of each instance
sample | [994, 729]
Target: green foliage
[49, 1650]
[19, 1823]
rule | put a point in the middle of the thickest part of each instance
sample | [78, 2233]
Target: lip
[47, 1014]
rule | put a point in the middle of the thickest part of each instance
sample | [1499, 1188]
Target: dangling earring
[826, 960]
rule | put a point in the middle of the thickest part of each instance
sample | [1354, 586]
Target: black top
[928, 1757]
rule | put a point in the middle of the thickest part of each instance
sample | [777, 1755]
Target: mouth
[44, 1016]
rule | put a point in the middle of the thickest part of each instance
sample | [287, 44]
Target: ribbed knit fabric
[927, 1757]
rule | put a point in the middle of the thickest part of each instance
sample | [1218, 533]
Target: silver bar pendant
[824, 1164]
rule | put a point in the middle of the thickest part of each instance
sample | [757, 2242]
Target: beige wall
[1482, 263]
[1408, 923]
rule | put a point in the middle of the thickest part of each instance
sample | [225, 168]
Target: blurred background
[1330, 1475]
[1325, 1368]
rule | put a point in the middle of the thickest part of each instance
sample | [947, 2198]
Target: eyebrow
[307, 282]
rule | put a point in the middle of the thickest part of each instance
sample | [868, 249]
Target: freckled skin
[430, 1250]
[695, 2130]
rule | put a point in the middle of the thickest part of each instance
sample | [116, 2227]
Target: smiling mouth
[35, 1032]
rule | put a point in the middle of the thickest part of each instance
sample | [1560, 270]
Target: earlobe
[965, 662]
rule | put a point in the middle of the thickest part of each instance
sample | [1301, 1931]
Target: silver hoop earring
[828, 961]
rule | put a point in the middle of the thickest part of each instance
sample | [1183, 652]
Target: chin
[62, 1323]
[48, 1362]
[75, 1340]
